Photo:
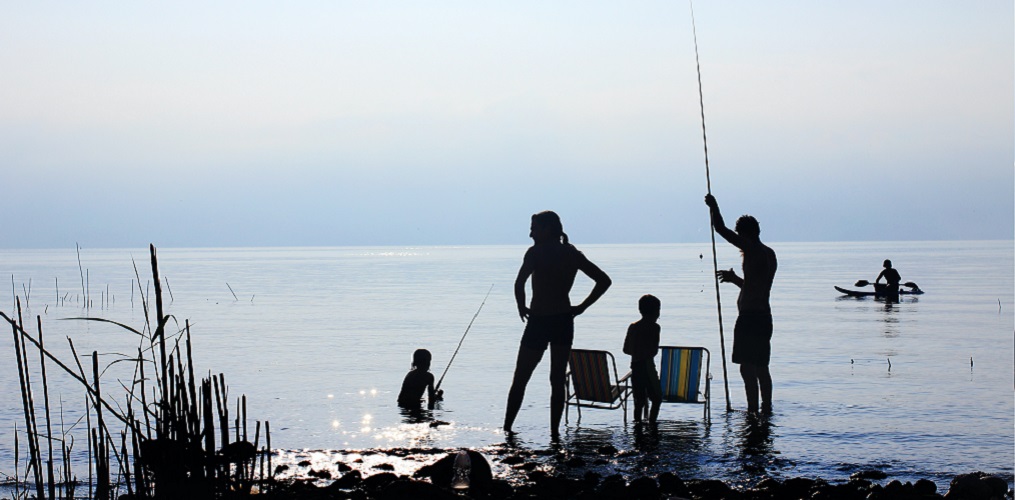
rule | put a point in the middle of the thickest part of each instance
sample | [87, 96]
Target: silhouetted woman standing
[552, 263]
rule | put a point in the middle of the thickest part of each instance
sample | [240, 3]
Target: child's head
[421, 359]
[648, 306]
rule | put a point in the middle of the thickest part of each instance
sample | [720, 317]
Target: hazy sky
[374, 123]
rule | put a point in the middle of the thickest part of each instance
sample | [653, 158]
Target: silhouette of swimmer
[417, 381]
[752, 335]
[892, 277]
[553, 263]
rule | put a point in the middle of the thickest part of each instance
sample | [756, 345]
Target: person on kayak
[552, 263]
[752, 335]
[891, 276]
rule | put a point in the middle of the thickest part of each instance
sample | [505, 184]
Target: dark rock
[709, 488]
[348, 481]
[320, 474]
[895, 488]
[528, 466]
[613, 486]
[975, 486]
[671, 484]
[387, 467]
[591, 480]
[377, 482]
[796, 487]
[442, 472]
[575, 462]
[924, 487]
[512, 460]
[342, 467]
[875, 475]
[404, 489]
[607, 449]
[644, 488]
[304, 463]
[281, 468]
[499, 489]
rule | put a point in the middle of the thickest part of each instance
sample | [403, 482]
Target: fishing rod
[474, 316]
[708, 180]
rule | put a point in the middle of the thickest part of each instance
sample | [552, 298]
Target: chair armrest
[625, 377]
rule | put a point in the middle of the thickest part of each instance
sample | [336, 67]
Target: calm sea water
[318, 339]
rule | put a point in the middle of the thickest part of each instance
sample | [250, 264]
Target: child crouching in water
[418, 380]
[642, 343]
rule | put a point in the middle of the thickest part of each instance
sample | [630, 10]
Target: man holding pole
[752, 334]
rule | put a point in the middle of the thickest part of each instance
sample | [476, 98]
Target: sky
[321, 123]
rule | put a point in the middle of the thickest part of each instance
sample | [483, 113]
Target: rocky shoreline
[530, 480]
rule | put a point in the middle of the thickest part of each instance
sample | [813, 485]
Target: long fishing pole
[708, 180]
[474, 316]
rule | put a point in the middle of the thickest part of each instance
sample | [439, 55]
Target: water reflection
[757, 454]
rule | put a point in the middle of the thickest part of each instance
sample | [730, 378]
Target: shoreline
[511, 472]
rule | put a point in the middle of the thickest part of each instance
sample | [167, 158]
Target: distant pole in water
[708, 180]
[474, 316]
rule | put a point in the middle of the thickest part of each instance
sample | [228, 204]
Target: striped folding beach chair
[590, 383]
[681, 373]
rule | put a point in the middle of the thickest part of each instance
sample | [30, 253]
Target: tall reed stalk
[180, 458]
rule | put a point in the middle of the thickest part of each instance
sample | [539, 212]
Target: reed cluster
[171, 437]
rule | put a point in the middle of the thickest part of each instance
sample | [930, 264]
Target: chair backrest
[680, 373]
[590, 376]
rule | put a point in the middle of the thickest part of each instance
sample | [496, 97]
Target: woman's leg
[559, 355]
[765, 383]
[749, 372]
[528, 359]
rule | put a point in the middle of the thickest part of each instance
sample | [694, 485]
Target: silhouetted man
[752, 335]
[893, 278]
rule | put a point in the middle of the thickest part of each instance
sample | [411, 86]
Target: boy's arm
[433, 395]
[628, 340]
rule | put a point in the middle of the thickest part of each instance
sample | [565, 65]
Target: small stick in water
[889, 364]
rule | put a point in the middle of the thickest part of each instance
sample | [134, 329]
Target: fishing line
[438, 386]
[708, 180]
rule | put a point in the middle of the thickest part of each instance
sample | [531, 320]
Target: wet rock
[671, 484]
[387, 467]
[796, 487]
[304, 463]
[607, 449]
[319, 474]
[875, 475]
[404, 489]
[709, 488]
[613, 486]
[348, 481]
[281, 468]
[591, 480]
[644, 488]
[976, 486]
[442, 472]
[528, 466]
[438, 423]
[342, 467]
[377, 482]
[924, 487]
[575, 462]
[512, 460]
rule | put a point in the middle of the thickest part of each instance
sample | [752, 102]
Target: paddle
[861, 283]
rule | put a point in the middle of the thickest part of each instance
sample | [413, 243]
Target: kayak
[864, 293]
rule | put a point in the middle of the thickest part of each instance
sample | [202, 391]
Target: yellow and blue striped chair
[590, 383]
[680, 373]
